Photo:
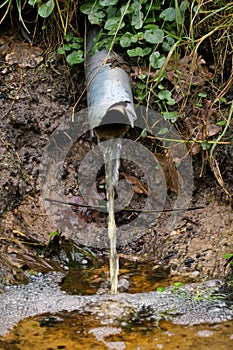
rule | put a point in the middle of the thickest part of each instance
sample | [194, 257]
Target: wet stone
[204, 333]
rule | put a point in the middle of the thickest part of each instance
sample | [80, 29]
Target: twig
[122, 209]
[188, 141]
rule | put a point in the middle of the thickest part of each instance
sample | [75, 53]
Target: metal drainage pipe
[109, 94]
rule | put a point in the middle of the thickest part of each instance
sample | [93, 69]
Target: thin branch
[123, 209]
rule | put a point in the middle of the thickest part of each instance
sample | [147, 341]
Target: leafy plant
[74, 47]
[147, 30]
[149, 33]
[8, 4]
[175, 287]
[44, 8]
[53, 236]
[160, 38]
[229, 257]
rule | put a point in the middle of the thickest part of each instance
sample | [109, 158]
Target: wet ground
[36, 94]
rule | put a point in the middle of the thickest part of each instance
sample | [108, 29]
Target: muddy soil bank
[35, 95]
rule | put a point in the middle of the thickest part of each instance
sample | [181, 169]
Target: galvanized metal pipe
[109, 94]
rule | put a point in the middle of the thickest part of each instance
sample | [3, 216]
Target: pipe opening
[113, 125]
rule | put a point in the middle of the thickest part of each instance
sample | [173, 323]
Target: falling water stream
[111, 153]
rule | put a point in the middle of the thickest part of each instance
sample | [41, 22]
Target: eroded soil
[35, 97]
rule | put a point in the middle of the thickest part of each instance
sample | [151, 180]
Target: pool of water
[75, 331]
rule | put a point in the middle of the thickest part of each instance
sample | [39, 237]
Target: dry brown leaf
[201, 125]
[138, 186]
[170, 172]
[24, 55]
[181, 75]
[138, 72]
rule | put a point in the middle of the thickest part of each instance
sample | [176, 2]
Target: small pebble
[123, 285]
[84, 262]
[205, 333]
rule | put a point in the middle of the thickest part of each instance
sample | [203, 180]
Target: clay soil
[34, 97]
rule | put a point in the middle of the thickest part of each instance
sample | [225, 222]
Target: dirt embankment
[35, 96]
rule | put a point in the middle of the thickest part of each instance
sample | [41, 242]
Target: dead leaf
[170, 172]
[201, 125]
[182, 74]
[138, 186]
[24, 55]
[138, 72]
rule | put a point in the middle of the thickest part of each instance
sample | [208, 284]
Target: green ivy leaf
[151, 26]
[69, 36]
[90, 7]
[125, 39]
[108, 2]
[61, 50]
[54, 233]
[138, 51]
[202, 94]
[75, 46]
[135, 52]
[168, 14]
[140, 85]
[146, 51]
[172, 116]
[46, 9]
[152, 5]
[156, 60]
[137, 17]
[33, 2]
[171, 102]
[67, 47]
[223, 100]
[221, 123]
[168, 43]
[144, 133]
[77, 40]
[111, 11]
[178, 284]
[97, 17]
[75, 57]
[155, 36]
[94, 11]
[113, 23]
[228, 256]
[183, 6]
[137, 37]
[129, 10]
[163, 131]
[164, 95]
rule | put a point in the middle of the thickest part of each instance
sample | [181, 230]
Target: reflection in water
[75, 331]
